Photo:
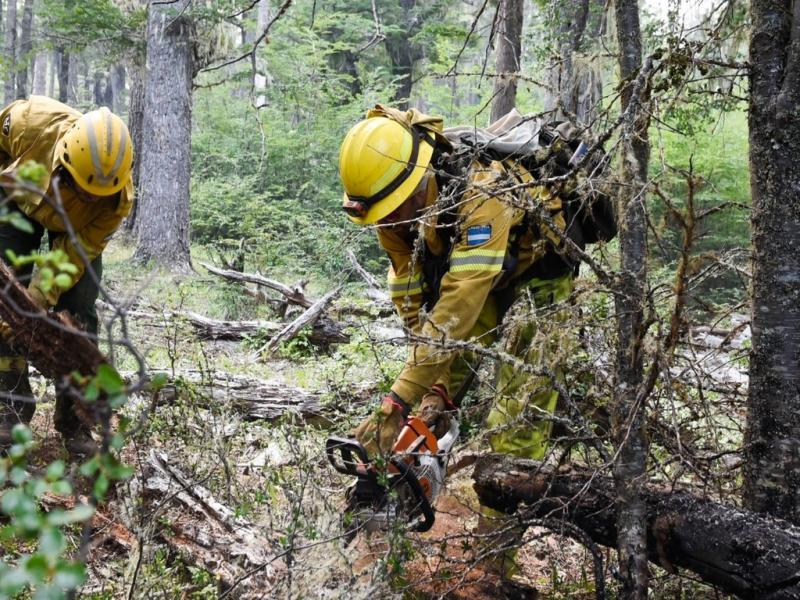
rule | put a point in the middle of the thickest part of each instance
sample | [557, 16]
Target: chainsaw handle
[346, 455]
[407, 475]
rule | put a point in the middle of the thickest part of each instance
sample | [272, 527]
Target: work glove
[435, 409]
[379, 431]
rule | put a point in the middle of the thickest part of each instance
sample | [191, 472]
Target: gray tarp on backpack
[513, 135]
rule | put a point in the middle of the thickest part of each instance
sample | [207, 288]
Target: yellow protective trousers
[515, 422]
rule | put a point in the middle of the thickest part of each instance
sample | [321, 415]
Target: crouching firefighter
[462, 250]
[89, 158]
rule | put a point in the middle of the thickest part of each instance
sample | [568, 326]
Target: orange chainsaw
[401, 491]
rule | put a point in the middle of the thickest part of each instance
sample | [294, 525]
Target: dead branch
[307, 318]
[292, 295]
[209, 534]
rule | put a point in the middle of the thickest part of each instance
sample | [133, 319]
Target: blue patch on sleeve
[478, 234]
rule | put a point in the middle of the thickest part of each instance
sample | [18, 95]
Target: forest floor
[269, 477]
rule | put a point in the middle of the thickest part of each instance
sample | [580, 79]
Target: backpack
[545, 150]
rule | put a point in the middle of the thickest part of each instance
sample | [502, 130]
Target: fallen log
[292, 295]
[262, 399]
[323, 331]
[209, 534]
[52, 342]
[752, 556]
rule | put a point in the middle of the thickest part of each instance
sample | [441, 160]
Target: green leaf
[18, 221]
[79, 514]
[90, 467]
[12, 581]
[100, 486]
[117, 441]
[49, 592]
[32, 172]
[63, 280]
[158, 381]
[92, 392]
[37, 565]
[109, 380]
[69, 575]
[55, 470]
[51, 542]
[61, 487]
[20, 434]
[117, 400]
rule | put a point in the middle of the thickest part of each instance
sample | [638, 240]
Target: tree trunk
[772, 466]
[575, 84]
[10, 88]
[135, 123]
[162, 220]
[628, 409]
[62, 66]
[25, 49]
[117, 104]
[743, 553]
[260, 74]
[55, 60]
[102, 91]
[41, 66]
[403, 54]
[72, 79]
[509, 50]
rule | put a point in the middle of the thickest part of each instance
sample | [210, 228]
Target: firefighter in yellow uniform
[88, 159]
[464, 260]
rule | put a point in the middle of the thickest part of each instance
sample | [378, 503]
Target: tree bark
[772, 448]
[162, 219]
[743, 553]
[117, 91]
[10, 88]
[135, 124]
[628, 408]
[509, 51]
[41, 66]
[25, 49]
[260, 73]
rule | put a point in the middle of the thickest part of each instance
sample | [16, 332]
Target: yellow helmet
[98, 152]
[381, 162]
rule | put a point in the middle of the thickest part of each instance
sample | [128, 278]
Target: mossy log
[750, 555]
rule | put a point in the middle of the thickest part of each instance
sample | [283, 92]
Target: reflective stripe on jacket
[31, 130]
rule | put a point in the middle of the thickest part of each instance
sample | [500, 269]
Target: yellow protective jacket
[31, 130]
[485, 230]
